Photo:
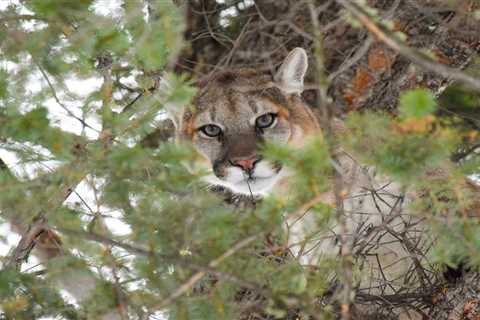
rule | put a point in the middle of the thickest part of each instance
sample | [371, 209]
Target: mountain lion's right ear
[289, 77]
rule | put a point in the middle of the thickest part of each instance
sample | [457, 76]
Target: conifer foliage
[111, 223]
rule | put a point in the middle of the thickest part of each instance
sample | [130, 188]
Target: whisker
[247, 179]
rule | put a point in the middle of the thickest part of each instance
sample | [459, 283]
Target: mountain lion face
[236, 112]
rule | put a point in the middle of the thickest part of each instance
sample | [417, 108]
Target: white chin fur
[264, 178]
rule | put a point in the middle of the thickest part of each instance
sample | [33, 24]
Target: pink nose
[246, 164]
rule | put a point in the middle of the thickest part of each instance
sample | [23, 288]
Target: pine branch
[21, 17]
[184, 288]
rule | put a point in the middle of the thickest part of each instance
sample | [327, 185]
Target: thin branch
[22, 17]
[57, 99]
[459, 156]
[416, 57]
[105, 240]
[131, 103]
[200, 274]
[148, 253]
[347, 64]
[346, 272]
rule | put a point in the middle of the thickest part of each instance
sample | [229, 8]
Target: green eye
[265, 121]
[211, 130]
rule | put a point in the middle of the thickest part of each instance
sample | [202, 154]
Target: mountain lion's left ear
[290, 76]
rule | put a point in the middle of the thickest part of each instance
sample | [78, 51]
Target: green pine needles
[111, 226]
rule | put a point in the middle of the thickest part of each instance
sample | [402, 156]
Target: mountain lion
[235, 112]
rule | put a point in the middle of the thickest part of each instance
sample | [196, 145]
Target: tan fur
[233, 101]
[375, 207]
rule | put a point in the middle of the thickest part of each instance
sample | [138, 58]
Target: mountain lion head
[237, 111]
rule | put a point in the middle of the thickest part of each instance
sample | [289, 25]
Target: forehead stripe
[253, 105]
[231, 100]
[212, 113]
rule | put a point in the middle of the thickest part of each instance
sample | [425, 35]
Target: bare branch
[418, 58]
[199, 275]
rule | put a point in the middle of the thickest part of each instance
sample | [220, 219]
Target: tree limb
[416, 57]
